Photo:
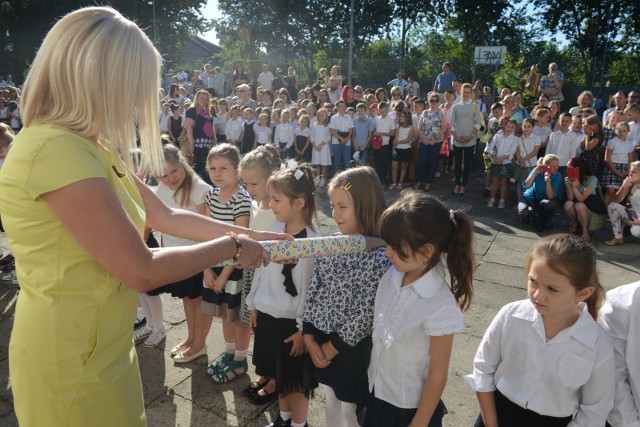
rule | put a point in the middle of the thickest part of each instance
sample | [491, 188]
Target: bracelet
[249, 231]
[234, 236]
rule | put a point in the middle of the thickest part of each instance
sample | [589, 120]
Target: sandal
[614, 242]
[255, 386]
[262, 399]
[230, 372]
[220, 363]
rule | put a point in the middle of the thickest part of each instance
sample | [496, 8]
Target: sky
[210, 11]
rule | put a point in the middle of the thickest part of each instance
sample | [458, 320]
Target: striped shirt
[237, 206]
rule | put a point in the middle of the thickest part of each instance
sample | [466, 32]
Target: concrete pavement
[183, 395]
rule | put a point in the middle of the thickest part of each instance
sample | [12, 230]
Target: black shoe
[257, 399]
[140, 323]
[279, 422]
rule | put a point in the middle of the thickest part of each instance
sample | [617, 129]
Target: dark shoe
[279, 422]
[254, 388]
[140, 323]
[262, 399]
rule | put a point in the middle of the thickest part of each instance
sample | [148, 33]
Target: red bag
[444, 149]
[376, 142]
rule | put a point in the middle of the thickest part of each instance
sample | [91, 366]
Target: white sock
[155, 308]
[230, 347]
[240, 354]
[285, 415]
[302, 424]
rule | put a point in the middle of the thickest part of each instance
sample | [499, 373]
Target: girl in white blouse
[544, 361]
[416, 311]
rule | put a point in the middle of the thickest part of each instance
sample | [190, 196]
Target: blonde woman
[75, 216]
[201, 131]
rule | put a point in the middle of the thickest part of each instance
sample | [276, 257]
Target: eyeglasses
[433, 101]
[395, 94]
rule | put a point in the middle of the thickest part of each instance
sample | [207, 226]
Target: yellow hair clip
[346, 186]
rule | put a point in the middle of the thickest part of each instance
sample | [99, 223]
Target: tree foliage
[24, 24]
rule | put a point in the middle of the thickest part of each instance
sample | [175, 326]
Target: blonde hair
[102, 50]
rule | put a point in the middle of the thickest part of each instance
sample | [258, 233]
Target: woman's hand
[298, 348]
[253, 254]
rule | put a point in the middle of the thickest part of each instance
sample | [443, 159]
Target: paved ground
[186, 396]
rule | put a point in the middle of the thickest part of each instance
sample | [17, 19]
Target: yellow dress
[71, 356]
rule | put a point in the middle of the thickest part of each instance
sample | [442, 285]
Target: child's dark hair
[497, 106]
[363, 184]
[417, 219]
[530, 121]
[575, 259]
[227, 151]
[302, 186]
[264, 158]
[6, 135]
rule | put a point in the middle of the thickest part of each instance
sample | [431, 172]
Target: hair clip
[298, 174]
[346, 185]
[451, 214]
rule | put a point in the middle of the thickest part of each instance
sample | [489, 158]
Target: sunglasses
[395, 94]
[433, 101]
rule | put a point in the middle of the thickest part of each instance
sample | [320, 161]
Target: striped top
[237, 206]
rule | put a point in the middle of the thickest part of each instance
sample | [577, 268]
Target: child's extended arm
[439, 357]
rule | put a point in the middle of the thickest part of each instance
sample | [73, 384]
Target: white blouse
[573, 371]
[620, 318]
[405, 319]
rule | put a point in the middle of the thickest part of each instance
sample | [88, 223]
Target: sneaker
[501, 204]
[15, 281]
[11, 275]
[491, 202]
[142, 333]
[7, 260]
[437, 175]
[154, 339]
[279, 422]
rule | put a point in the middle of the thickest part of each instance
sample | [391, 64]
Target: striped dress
[226, 303]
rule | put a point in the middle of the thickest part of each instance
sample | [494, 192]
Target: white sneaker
[142, 333]
[437, 174]
[491, 202]
[155, 338]
[9, 276]
[501, 204]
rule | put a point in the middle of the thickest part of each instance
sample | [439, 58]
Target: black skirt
[379, 413]
[511, 414]
[403, 155]
[347, 370]
[271, 356]
[595, 203]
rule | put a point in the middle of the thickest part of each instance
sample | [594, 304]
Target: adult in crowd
[620, 100]
[348, 96]
[75, 215]
[182, 77]
[197, 82]
[229, 87]
[551, 84]
[284, 95]
[504, 92]
[200, 132]
[466, 120]
[444, 80]
[618, 214]
[509, 106]
[543, 186]
[174, 96]
[634, 97]
[244, 99]
[239, 76]
[265, 78]
[278, 81]
[585, 102]
[431, 129]
[207, 75]
[584, 198]
[335, 92]
[291, 85]
[398, 81]
[217, 82]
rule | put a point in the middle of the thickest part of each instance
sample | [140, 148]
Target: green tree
[24, 23]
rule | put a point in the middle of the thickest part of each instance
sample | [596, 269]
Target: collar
[581, 331]
[462, 101]
[427, 286]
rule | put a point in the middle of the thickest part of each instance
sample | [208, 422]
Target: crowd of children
[375, 329]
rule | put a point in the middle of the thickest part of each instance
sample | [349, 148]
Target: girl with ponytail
[416, 311]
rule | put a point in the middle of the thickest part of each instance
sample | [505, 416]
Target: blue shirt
[445, 81]
[361, 130]
[538, 191]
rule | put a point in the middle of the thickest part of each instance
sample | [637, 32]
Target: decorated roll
[280, 250]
